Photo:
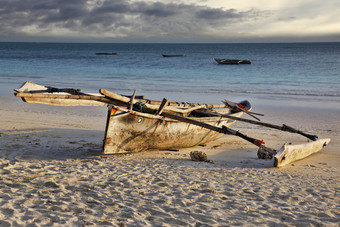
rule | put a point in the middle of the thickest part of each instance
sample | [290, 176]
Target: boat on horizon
[174, 55]
[232, 61]
[106, 53]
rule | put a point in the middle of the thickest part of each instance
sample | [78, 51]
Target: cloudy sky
[170, 20]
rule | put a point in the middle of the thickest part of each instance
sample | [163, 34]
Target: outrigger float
[137, 124]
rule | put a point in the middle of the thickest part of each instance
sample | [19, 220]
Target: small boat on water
[136, 124]
[232, 61]
[107, 53]
[174, 55]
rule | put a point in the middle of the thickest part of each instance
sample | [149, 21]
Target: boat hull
[134, 131]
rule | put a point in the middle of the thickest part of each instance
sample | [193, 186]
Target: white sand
[52, 173]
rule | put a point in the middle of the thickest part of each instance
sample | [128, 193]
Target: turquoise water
[287, 73]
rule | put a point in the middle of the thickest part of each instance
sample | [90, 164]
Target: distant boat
[107, 53]
[174, 55]
[232, 61]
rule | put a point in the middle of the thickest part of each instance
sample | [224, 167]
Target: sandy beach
[53, 174]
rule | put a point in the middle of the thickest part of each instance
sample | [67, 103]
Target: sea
[280, 74]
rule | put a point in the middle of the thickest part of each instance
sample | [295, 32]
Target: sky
[180, 21]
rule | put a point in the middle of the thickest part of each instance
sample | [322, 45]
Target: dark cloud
[119, 17]
[219, 14]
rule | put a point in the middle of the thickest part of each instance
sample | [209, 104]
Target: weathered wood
[164, 103]
[113, 95]
[155, 102]
[63, 102]
[284, 127]
[30, 87]
[223, 129]
[138, 131]
[132, 100]
[59, 96]
[290, 153]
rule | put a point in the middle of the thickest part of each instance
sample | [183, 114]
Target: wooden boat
[137, 124]
[131, 131]
[106, 53]
[174, 55]
[232, 61]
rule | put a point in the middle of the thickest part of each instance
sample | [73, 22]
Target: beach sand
[53, 174]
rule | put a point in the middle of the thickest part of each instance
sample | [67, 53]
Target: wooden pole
[162, 106]
[132, 100]
[153, 102]
[55, 96]
[284, 127]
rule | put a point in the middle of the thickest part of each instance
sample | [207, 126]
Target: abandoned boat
[132, 130]
[137, 124]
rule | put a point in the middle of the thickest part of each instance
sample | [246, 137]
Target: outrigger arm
[284, 127]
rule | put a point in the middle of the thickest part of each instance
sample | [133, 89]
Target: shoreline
[53, 173]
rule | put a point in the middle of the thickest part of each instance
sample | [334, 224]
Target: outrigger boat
[136, 124]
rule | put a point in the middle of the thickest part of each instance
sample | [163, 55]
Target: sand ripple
[121, 190]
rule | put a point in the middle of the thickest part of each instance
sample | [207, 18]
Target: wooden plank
[290, 153]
